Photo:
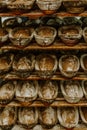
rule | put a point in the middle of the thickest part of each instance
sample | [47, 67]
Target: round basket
[69, 65]
[74, 6]
[23, 64]
[28, 117]
[8, 117]
[49, 6]
[65, 120]
[72, 91]
[7, 91]
[70, 35]
[47, 117]
[50, 61]
[45, 35]
[6, 60]
[26, 91]
[21, 36]
[48, 91]
[21, 5]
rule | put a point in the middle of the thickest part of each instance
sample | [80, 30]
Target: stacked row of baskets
[29, 118]
[45, 91]
[43, 35]
[43, 65]
[47, 7]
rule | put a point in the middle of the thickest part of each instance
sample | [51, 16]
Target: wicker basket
[23, 64]
[51, 117]
[21, 5]
[46, 87]
[49, 6]
[64, 115]
[21, 36]
[9, 121]
[42, 71]
[69, 39]
[7, 90]
[6, 60]
[72, 91]
[25, 119]
[70, 69]
[74, 6]
[45, 35]
[26, 91]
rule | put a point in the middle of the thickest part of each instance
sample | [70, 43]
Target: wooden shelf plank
[55, 46]
[60, 103]
[11, 76]
[58, 46]
[37, 13]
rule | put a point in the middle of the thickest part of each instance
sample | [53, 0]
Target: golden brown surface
[45, 32]
[69, 64]
[3, 63]
[21, 33]
[70, 31]
[6, 91]
[72, 89]
[46, 63]
[48, 116]
[25, 90]
[71, 115]
[48, 90]
[7, 116]
[23, 63]
[27, 116]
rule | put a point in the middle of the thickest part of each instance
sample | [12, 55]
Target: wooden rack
[56, 46]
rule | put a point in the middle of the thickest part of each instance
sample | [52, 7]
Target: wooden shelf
[37, 13]
[55, 46]
[33, 46]
[56, 103]
[58, 46]
[11, 76]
